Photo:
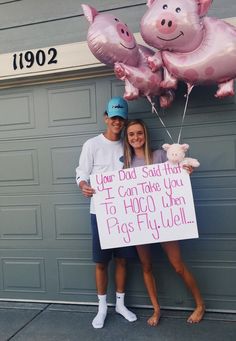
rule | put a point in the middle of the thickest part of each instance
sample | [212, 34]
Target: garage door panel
[24, 163]
[208, 103]
[17, 110]
[207, 184]
[67, 222]
[216, 219]
[63, 159]
[42, 111]
[45, 222]
[172, 292]
[71, 221]
[49, 274]
[21, 222]
[68, 108]
[19, 167]
[72, 105]
[213, 269]
[216, 155]
[226, 274]
[23, 274]
[40, 165]
[205, 110]
[70, 279]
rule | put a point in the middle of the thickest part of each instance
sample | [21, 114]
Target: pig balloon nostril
[163, 22]
[167, 23]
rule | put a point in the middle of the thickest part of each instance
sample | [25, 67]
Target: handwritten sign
[147, 204]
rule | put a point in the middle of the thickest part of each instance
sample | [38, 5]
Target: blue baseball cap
[117, 106]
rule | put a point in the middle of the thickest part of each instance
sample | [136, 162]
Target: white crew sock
[99, 319]
[122, 310]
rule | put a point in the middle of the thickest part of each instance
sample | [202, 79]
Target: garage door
[45, 240]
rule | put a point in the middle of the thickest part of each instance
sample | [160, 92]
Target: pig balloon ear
[203, 6]
[149, 3]
[89, 12]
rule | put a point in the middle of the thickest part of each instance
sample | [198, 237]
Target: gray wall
[31, 24]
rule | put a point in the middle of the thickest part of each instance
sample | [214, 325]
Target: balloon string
[190, 87]
[156, 112]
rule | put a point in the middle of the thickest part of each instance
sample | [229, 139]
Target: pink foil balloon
[193, 48]
[109, 39]
[112, 43]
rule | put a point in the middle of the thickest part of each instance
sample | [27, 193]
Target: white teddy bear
[176, 154]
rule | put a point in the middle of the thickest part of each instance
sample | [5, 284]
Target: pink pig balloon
[112, 43]
[193, 48]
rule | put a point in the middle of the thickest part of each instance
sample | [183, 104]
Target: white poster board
[147, 204]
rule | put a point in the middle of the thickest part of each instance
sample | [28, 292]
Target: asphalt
[64, 322]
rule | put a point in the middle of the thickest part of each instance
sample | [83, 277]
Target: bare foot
[197, 315]
[154, 319]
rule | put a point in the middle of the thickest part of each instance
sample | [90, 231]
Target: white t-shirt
[98, 155]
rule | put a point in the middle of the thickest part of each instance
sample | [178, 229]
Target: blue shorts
[104, 256]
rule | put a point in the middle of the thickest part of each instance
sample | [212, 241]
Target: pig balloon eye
[165, 7]
[178, 10]
[117, 19]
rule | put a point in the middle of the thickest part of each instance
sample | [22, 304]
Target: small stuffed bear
[176, 154]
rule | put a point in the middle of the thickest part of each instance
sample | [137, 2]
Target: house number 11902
[29, 58]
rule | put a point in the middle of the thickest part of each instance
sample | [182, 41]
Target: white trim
[75, 56]
[231, 20]
[69, 57]
[78, 303]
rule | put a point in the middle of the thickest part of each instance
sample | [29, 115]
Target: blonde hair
[129, 151]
